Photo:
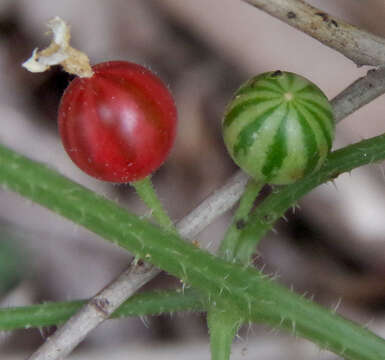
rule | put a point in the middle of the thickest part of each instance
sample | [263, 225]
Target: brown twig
[359, 93]
[358, 45]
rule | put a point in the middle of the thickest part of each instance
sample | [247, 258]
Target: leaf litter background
[332, 248]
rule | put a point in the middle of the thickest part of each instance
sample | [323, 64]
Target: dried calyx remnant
[59, 52]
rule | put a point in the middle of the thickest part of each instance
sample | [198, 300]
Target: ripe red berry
[118, 125]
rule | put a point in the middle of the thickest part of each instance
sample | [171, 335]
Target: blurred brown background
[332, 249]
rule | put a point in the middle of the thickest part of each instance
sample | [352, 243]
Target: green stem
[55, 313]
[258, 298]
[230, 243]
[11, 265]
[146, 192]
[222, 322]
[271, 209]
[223, 326]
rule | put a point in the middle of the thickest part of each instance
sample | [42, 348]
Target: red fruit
[118, 125]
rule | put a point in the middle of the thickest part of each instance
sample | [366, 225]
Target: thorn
[293, 327]
[367, 324]
[144, 321]
[239, 338]
[337, 305]
[382, 170]
[334, 184]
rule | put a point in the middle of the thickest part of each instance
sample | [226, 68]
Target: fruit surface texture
[278, 127]
[118, 125]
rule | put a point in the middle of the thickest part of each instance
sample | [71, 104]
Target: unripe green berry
[278, 127]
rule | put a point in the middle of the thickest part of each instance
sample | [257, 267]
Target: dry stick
[359, 93]
[100, 307]
[358, 45]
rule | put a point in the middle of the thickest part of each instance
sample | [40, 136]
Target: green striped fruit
[278, 127]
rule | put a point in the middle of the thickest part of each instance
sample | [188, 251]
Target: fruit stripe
[291, 80]
[278, 150]
[257, 89]
[321, 123]
[309, 139]
[246, 137]
[326, 114]
[276, 82]
[316, 105]
[242, 107]
[254, 95]
[308, 88]
[275, 85]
